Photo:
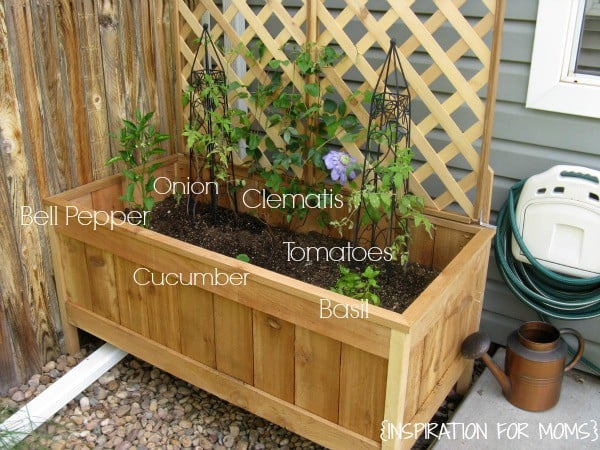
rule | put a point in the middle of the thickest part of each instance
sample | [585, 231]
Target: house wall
[527, 142]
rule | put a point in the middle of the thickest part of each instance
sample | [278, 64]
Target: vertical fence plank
[109, 46]
[128, 63]
[73, 84]
[94, 88]
[55, 119]
[145, 54]
[68, 64]
[26, 284]
[169, 96]
[18, 351]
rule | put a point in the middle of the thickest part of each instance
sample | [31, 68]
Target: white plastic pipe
[58, 394]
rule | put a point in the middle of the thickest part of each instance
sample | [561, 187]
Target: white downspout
[58, 394]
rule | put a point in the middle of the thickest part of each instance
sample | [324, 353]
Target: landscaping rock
[138, 406]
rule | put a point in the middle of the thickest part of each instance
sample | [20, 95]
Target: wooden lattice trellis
[465, 142]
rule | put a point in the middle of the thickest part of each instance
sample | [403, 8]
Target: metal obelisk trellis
[202, 107]
[388, 133]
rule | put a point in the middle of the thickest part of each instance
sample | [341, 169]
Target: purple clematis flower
[341, 165]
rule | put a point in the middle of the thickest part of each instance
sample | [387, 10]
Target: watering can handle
[580, 348]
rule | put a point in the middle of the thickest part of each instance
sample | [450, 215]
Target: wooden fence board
[74, 68]
[29, 308]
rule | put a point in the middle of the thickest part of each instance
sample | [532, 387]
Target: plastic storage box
[558, 215]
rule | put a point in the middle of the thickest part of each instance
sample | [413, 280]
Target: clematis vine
[342, 166]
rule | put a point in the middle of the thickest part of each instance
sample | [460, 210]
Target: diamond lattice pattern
[444, 46]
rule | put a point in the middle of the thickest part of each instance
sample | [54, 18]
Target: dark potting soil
[232, 235]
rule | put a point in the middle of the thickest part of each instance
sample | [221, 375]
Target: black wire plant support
[388, 133]
[202, 107]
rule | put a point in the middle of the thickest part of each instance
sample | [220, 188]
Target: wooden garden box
[262, 345]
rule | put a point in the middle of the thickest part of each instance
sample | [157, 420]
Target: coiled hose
[550, 294]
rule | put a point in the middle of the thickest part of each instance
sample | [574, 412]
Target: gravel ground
[136, 405]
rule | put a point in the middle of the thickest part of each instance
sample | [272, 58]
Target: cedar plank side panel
[274, 355]
[197, 324]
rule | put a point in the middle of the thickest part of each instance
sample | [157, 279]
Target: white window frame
[553, 85]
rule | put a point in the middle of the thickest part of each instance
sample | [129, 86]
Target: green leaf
[342, 109]
[129, 124]
[144, 120]
[312, 89]
[331, 130]
[154, 166]
[114, 159]
[274, 64]
[348, 122]
[253, 141]
[148, 203]
[304, 63]
[330, 106]
[129, 194]
[386, 199]
[130, 175]
[150, 184]
[156, 151]
[273, 181]
[274, 119]
[349, 137]
[243, 257]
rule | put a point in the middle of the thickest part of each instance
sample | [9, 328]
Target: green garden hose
[550, 294]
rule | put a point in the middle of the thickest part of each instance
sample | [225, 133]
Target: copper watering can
[534, 363]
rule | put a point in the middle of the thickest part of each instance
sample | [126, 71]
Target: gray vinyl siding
[588, 60]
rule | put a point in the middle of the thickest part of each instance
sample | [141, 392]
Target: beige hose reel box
[558, 215]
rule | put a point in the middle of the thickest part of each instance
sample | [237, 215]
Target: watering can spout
[476, 346]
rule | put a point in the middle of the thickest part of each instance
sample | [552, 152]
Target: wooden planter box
[262, 346]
